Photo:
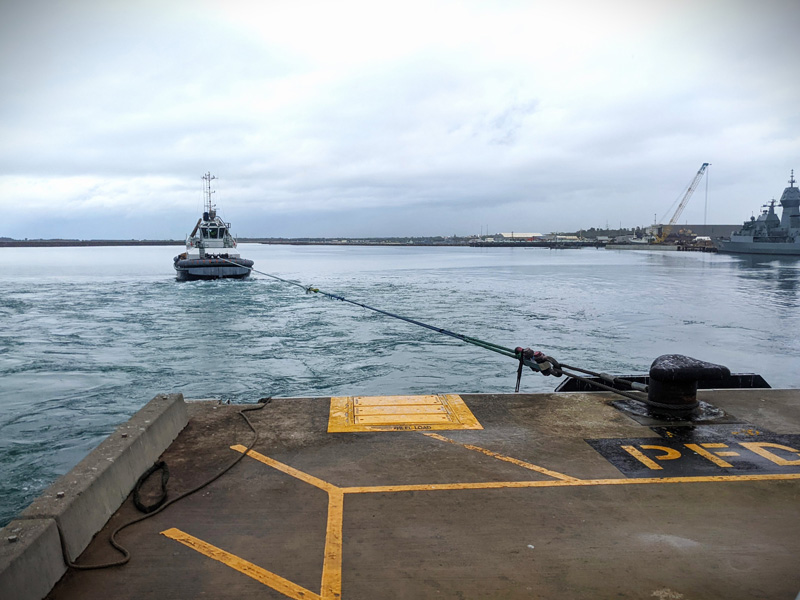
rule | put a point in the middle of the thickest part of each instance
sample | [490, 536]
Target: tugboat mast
[207, 191]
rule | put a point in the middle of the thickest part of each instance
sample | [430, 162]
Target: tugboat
[768, 234]
[210, 248]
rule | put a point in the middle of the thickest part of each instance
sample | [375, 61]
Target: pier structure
[562, 495]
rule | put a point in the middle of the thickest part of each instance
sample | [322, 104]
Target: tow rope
[537, 361]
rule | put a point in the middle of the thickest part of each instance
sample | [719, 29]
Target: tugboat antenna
[207, 191]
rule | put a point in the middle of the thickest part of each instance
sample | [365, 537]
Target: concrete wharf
[439, 496]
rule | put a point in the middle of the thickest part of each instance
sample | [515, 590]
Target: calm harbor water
[89, 335]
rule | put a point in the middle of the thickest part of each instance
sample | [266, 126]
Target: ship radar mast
[791, 179]
[207, 191]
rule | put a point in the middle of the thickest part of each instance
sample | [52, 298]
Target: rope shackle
[538, 361]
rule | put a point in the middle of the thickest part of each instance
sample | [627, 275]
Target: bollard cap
[680, 368]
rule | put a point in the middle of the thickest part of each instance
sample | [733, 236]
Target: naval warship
[768, 234]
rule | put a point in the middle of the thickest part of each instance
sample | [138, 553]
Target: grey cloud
[140, 100]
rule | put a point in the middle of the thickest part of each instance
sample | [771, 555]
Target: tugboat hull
[190, 269]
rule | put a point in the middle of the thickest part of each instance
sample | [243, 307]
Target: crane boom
[689, 191]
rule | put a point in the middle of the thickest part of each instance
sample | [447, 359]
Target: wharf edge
[81, 501]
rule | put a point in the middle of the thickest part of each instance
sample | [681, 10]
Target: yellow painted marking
[519, 463]
[331, 583]
[747, 432]
[332, 566]
[712, 457]
[669, 453]
[434, 487]
[276, 582]
[637, 454]
[297, 474]
[399, 413]
[759, 448]
[341, 414]
[462, 412]
[720, 445]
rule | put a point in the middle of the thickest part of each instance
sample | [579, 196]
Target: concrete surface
[30, 559]
[558, 496]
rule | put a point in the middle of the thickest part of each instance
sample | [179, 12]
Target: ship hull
[787, 248]
[192, 269]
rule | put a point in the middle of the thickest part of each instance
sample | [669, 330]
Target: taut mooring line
[464, 338]
[510, 352]
[537, 361]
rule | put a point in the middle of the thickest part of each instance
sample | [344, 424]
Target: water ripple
[79, 353]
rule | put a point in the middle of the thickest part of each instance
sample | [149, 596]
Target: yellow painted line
[760, 448]
[669, 453]
[296, 473]
[563, 481]
[638, 455]
[276, 582]
[332, 566]
[433, 487]
[708, 455]
[503, 457]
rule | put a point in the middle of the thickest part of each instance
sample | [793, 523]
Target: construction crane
[665, 231]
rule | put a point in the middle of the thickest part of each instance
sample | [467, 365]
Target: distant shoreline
[62, 243]
[7, 243]
[581, 238]
[404, 242]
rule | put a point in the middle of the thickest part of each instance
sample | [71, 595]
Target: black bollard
[672, 388]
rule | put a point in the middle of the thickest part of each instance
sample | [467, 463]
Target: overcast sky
[391, 118]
